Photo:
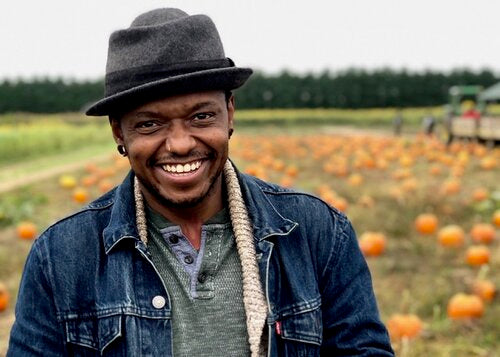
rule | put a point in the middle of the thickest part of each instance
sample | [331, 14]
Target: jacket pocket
[95, 333]
[303, 327]
[300, 334]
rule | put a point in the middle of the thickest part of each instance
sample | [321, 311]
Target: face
[177, 147]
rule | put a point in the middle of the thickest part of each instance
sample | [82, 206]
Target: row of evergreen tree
[353, 88]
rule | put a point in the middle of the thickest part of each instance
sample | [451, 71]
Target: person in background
[188, 256]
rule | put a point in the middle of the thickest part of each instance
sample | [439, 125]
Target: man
[189, 257]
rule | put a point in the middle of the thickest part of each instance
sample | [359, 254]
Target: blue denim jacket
[89, 282]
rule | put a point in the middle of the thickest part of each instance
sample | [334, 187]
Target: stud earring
[121, 149]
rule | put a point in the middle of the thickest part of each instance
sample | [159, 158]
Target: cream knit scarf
[253, 295]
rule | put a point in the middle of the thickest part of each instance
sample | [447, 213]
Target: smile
[182, 168]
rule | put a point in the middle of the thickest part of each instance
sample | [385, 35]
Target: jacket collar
[122, 217]
[266, 219]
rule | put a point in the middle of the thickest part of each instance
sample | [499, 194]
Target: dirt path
[47, 173]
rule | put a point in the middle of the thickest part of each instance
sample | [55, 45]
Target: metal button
[188, 259]
[174, 239]
[159, 301]
[202, 277]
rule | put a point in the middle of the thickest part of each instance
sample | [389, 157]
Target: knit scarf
[253, 295]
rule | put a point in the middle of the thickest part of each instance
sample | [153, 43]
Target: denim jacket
[89, 287]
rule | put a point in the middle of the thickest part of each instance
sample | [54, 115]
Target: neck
[190, 219]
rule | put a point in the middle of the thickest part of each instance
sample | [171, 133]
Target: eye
[147, 126]
[203, 116]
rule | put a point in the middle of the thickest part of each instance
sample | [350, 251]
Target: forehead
[183, 102]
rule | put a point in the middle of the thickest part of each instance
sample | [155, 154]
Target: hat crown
[165, 52]
[158, 16]
[168, 36]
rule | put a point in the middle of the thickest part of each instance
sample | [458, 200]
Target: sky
[69, 38]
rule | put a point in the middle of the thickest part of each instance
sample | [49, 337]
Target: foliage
[27, 137]
[351, 88]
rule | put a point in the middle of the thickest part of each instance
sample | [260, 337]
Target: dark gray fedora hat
[165, 52]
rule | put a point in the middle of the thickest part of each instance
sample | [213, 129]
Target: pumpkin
[26, 230]
[67, 181]
[485, 289]
[4, 297]
[372, 244]
[426, 223]
[400, 325]
[465, 306]
[80, 195]
[496, 218]
[451, 236]
[480, 194]
[477, 255]
[483, 233]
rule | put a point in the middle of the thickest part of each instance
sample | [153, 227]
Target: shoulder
[77, 228]
[291, 202]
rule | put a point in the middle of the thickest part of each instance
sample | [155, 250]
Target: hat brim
[211, 79]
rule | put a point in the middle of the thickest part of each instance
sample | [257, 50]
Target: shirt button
[174, 239]
[188, 259]
[202, 278]
[159, 301]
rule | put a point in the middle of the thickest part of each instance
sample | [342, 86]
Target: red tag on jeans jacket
[278, 328]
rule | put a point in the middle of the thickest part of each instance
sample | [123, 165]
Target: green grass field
[383, 183]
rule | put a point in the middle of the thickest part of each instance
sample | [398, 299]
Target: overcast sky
[68, 38]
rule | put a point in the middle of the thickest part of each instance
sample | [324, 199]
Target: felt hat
[165, 52]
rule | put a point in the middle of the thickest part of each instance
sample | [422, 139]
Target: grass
[415, 274]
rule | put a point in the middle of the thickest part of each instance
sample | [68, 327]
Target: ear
[230, 112]
[117, 130]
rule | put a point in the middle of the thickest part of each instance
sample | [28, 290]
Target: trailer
[474, 123]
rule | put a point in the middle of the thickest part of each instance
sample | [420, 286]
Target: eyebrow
[196, 107]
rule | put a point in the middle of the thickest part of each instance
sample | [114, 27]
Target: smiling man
[189, 257]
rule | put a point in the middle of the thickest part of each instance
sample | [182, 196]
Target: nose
[179, 140]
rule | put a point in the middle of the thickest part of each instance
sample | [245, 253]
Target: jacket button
[174, 239]
[188, 259]
[159, 302]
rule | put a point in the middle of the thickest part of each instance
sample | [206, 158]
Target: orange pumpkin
[451, 186]
[451, 236]
[372, 244]
[105, 185]
[426, 223]
[465, 306]
[485, 289]
[480, 194]
[80, 195]
[26, 230]
[483, 233]
[400, 326]
[496, 218]
[4, 297]
[477, 255]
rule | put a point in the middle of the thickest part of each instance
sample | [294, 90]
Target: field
[401, 193]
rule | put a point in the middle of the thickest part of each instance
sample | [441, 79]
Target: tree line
[352, 88]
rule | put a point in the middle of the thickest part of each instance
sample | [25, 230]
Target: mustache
[175, 158]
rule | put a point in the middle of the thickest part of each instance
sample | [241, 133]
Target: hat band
[123, 80]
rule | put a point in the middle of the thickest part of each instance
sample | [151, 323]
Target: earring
[121, 149]
[231, 132]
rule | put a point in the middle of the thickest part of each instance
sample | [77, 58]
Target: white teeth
[182, 168]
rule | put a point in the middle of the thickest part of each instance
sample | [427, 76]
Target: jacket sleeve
[36, 331]
[351, 322]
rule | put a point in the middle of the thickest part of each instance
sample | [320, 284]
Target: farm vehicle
[468, 116]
